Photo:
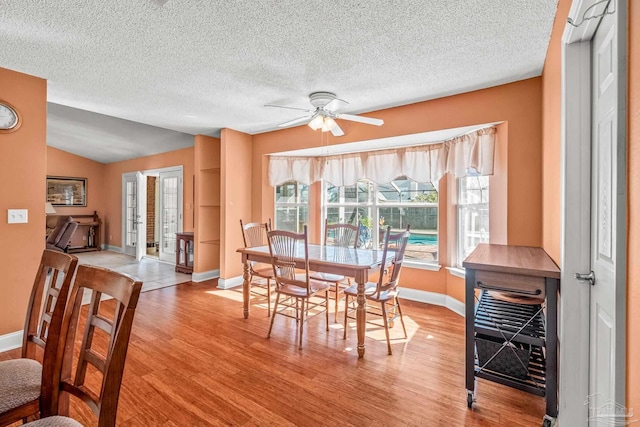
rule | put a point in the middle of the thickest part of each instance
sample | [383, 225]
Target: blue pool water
[423, 239]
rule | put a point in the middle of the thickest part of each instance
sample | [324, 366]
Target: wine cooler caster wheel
[470, 400]
[547, 421]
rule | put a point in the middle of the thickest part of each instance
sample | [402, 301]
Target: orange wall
[551, 136]
[22, 186]
[235, 197]
[519, 104]
[113, 188]
[61, 163]
[633, 211]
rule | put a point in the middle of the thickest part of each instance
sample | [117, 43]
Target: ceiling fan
[324, 114]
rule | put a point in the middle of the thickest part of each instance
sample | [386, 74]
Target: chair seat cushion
[55, 421]
[369, 288]
[19, 383]
[327, 277]
[369, 292]
[297, 291]
[262, 270]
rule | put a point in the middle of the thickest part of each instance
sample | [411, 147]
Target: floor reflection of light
[429, 337]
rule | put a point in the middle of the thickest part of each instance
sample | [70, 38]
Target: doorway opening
[152, 212]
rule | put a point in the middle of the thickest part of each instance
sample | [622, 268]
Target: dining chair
[105, 328]
[23, 389]
[255, 234]
[298, 288]
[338, 235]
[385, 290]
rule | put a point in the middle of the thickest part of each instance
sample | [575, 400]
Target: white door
[134, 199]
[129, 213]
[141, 216]
[170, 192]
[607, 305]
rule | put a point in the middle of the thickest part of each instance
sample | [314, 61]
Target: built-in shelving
[207, 203]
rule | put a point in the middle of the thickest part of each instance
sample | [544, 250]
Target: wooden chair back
[255, 233]
[396, 242]
[106, 353]
[45, 313]
[344, 235]
[285, 247]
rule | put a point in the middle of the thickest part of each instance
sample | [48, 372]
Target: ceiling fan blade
[337, 131]
[294, 122]
[360, 119]
[334, 104]
[289, 108]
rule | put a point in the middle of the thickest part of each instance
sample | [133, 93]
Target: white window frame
[460, 229]
[374, 206]
[291, 205]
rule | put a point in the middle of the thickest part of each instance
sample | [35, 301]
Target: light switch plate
[17, 216]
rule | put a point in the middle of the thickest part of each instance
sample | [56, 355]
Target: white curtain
[303, 169]
[342, 170]
[424, 163]
[473, 151]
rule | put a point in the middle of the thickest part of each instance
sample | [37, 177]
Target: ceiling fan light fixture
[328, 124]
[317, 122]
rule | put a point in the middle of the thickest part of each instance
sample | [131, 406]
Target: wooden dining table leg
[361, 315]
[246, 289]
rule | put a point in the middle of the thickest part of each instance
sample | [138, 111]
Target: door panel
[606, 367]
[129, 213]
[171, 213]
[141, 216]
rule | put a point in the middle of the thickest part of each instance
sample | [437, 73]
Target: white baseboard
[10, 341]
[230, 283]
[205, 275]
[112, 248]
[433, 298]
[454, 305]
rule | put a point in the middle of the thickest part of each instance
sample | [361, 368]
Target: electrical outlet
[17, 216]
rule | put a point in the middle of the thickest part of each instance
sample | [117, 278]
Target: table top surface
[334, 255]
[526, 260]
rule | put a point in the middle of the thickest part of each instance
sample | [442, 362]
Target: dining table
[348, 262]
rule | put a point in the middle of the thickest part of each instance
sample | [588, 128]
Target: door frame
[153, 172]
[576, 212]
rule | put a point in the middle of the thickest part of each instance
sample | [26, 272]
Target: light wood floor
[194, 361]
[153, 273]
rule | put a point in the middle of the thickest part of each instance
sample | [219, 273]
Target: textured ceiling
[196, 66]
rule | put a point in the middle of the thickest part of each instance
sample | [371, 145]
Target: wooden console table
[87, 234]
[184, 252]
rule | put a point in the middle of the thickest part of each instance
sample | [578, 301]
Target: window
[473, 214]
[397, 204]
[292, 206]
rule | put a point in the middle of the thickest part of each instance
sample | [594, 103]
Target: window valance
[423, 163]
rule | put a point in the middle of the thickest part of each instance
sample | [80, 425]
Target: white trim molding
[457, 271]
[112, 248]
[205, 275]
[421, 265]
[232, 282]
[10, 341]
[433, 298]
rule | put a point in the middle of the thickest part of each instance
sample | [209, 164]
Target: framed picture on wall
[66, 191]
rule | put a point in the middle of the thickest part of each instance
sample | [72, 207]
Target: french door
[168, 216]
[170, 219]
[134, 206]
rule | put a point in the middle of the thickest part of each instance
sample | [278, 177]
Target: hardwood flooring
[194, 361]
